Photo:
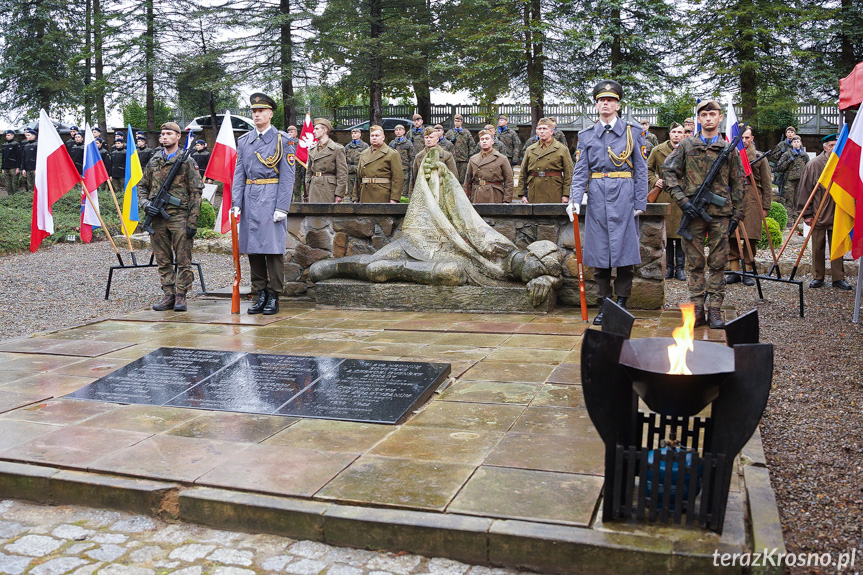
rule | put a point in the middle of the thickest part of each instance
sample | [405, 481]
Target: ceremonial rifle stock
[235, 244]
[581, 295]
[164, 198]
[704, 196]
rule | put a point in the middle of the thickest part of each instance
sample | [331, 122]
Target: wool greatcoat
[331, 163]
[654, 172]
[493, 169]
[384, 163]
[755, 202]
[258, 234]
[610, 230]
[547, 189]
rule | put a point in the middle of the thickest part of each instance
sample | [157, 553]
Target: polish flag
[55, 175]
[307, 140]
[849, 175]
[223, 160]
[732, 128]
[95, 175]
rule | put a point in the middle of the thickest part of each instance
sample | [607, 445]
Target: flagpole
[857, 296]
[793, 228]
[122, 223]
[811, 229]
[102, 223]
[766, 229]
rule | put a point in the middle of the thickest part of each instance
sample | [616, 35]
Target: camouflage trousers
[31, 181]
[10, 181]
[349, 194]
[406, 184]
[170, 243]
[789, 198]
[462, 171]
[715, 234]
[299, 183]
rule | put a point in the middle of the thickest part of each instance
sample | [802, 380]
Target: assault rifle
[164, 198]
[704, 196]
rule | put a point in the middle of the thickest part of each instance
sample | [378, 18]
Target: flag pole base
[152, 264]
[758, 278]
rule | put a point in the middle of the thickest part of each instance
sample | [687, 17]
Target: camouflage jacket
[510, 144]
[406, 150]
[462, 143]
[352, 153]
[417, 138]
[186, 187]
[687, 166]
[783, 146]
[792, 165]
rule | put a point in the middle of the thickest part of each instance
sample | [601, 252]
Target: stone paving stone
[73, 446]
[441, 566]
[144, 418]
[491, 392]
[10, 400]
[236, 427]
[60, 411]
[561, 342]
[79, 548]
[74, 532]
[147, 554]
[231, 557]
[107, 552]
[191, 552]
[549, 453]
[136, 524]
[309, 549]
[339, 569]
[276, 563]
[323, 435]
[34, 545]
[305, 567]
[556, 421]
[9, 529]
[117, 569]
[507, 371]
[402, 564]
[87, 569]
[194, 570]
[222, 570]
[13, 564]
[112, 538]
[552, 395]
[58, 566]
[440, 444]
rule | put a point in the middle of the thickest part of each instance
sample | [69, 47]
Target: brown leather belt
[320, 174]
[485, 183]
[263, 181]
[375, 181]
[600, 175]
[545, 174]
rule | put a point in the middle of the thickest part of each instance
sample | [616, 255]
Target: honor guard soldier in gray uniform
[611, 168]
[407, 152]
[462, 142]
[683, 171]
[327, 172]
[28, 163]
[11, 162]
[352, 156]
[261, 194]
[172, 240]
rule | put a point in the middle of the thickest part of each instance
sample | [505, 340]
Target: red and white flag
[307, 140]
[732, 128]
[223, 160]
[55, 175]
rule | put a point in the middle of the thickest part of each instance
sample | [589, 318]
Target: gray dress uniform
[327, 173]
[614, 190]
[259, 190]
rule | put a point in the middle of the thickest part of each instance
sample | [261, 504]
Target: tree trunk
[289, 106]
[847, 58]
[149, 65]
[101, 118]
[376, 111]
[88, 60]
[536, 66]
[748, 64]
[423, 94]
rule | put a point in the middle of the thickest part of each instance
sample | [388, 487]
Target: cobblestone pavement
[40, 540]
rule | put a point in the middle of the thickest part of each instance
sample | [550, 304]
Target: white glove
[235, 211]
[637, 213]
[571, 209]
[279, 216]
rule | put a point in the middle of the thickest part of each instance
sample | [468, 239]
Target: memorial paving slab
[499, 462]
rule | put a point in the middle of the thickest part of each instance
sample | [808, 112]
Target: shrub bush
[207, 217]
[775, 234]
[779, 214]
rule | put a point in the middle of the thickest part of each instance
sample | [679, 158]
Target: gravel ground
[812, 428]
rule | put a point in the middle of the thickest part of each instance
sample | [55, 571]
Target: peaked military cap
[428, 131]
[830, 138]
[792, 128]
[172, 126]
[438, 127]
[707, 105]
[325, 123]
[260, 100]
[608, 89]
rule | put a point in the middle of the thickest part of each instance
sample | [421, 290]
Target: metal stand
[759, 277]
[136, 265]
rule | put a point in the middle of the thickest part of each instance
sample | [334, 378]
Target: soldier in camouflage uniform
[791, 165]
[416, 134]
[462, 142]
[776, 154]
[509, 141]
[406, 151]
[11, 162]
[442, 141]
[683, 172]
[173, 237]
[650, 139]
[352, 153]
[299, 169]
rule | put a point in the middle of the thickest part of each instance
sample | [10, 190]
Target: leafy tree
[675, 107]
[135, 114]
[831, 44]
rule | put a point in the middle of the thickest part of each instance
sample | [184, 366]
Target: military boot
[621, 301]
[679, 264]
[272, 306]
[166, 303]
[258, 306]
[180, 302]
[598, 319]
[699, 315]
[715, 315]
[669, 260]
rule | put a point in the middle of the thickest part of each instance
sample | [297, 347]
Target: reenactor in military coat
[683, 172]
[28, 158]
[407, 152]
[352, 155]
[791, 166]
[675, 258]
[261, 196]
[379, 172]
[11, 162]
[462, 142]
[417, 134]
[611, 168]
[172, 240]
[509, 141]
[118, 165]
[432, 141]
[488, 178]
[556, 134]
[497, 145]
[650, 139]
[546, 170]
[327, 170]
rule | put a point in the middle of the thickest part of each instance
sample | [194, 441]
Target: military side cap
[707, 105]
[485, 133]
[118, 137]
[438, 127]
[399, 126]
[545, 122]
[10, 132]
[504, 116]
[260, 100]
[608, 89]
[792, 128]
[325, 123]
[355, 130]
[29, 131]
[416, 117]
[73, 128]
[830, 138]
[201, 142]
[429, 131]
[458, 117]
[172, 126]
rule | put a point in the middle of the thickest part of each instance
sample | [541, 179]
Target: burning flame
[683, 337]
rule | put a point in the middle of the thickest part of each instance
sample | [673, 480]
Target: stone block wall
[320, 231]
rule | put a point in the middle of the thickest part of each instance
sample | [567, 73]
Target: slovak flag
[307, 140]
[732, 128]
[95, 175]
[55, 175]
[223, 160]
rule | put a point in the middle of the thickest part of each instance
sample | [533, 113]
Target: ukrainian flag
[133, 176]
[843, 218]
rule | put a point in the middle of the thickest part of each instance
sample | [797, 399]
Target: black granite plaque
[316, 387]
[257, 383]
[158, 377]
[369, 390]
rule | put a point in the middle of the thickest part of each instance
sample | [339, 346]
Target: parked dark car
[388, 125]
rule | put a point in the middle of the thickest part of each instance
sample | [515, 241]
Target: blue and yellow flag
[133, 176]
[843, 217]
